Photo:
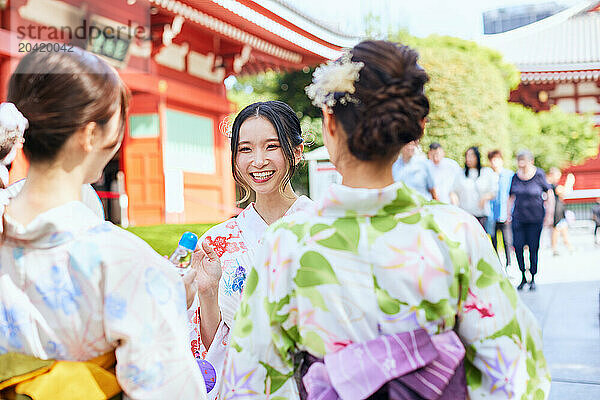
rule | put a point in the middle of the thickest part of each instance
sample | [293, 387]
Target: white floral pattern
[74, 287]
[235, 241]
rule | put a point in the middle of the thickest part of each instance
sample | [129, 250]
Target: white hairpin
[226, 127]
[12, 124]
[334, 77]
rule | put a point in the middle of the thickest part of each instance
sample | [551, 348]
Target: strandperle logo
[85, 31]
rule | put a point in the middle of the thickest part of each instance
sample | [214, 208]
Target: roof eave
[309, 24]
[492, 39]
[529, 68]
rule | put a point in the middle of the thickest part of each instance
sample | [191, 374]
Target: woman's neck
[46, 187]
[366, 174]
[273, 206]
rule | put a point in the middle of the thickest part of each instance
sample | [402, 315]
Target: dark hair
[435, 146]
[391, 101]
[286, 124]
[494, 154]
[478, 155]
[61, 92]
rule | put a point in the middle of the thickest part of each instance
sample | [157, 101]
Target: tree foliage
[468, 89]
[556, 138]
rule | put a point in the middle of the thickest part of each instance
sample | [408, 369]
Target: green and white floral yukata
[371, 262]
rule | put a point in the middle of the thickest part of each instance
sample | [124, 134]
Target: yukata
[74, 287]
[235, 241]
[89, 197]
[371, 263]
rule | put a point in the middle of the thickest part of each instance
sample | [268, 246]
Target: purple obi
[404, 366]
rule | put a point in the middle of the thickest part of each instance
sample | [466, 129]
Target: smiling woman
[265, 134]
[266, 147]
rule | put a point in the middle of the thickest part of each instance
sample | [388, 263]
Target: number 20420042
[26, 47]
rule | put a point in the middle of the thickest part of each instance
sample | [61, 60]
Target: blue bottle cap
[189, 240]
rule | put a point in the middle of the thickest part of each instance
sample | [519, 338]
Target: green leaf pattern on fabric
[273, 309]
[329, 247]
[314, 270]
[511, 330]
[440, 310]
[344, 234]
[251, 282]
[473, 375]
[274, 379]
[411, 219]
[315, 297]
[387, 303]
[403, 202]
[243, 323]
[383, 223]
[313, 342]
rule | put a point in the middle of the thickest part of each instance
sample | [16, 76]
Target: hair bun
[391, 120]
[392, 103]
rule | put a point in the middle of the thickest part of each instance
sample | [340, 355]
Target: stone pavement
[567, 306]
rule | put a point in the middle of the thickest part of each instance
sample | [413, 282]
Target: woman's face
[471, 159]
[523, 162]
[105, 145]
[260, 160]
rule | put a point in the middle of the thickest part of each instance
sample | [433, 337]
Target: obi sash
[404, 366]
[28, 377]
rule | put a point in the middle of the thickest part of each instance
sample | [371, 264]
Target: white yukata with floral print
[372, 262]
[73, 287]
[235, 241]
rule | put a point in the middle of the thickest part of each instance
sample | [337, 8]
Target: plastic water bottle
[187, 244]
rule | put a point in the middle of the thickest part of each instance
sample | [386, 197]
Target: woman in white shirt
[473, 190]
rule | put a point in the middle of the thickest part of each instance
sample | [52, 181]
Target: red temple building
[559, 60]
[174, 56]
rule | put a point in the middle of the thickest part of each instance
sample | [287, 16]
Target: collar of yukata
[340, 200]
[53, 227]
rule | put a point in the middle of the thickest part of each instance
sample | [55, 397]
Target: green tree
[556, 138]
[468, 88]
[250, 89]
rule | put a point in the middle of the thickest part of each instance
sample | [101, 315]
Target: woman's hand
[209, 270]
[208, 265]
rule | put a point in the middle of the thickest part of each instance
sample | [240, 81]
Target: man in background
[444, 171]
[413, 169]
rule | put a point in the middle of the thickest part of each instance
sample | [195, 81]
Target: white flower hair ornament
[334, 77]
[12, 124]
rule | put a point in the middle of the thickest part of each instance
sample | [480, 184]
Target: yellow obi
[28, 377]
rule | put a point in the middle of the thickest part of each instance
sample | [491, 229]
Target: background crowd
[513, 207]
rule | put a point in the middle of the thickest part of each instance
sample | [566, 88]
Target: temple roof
[269, 26]
[561, 47]
[307, 22]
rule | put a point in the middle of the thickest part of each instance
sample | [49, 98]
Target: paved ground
[567, 306]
